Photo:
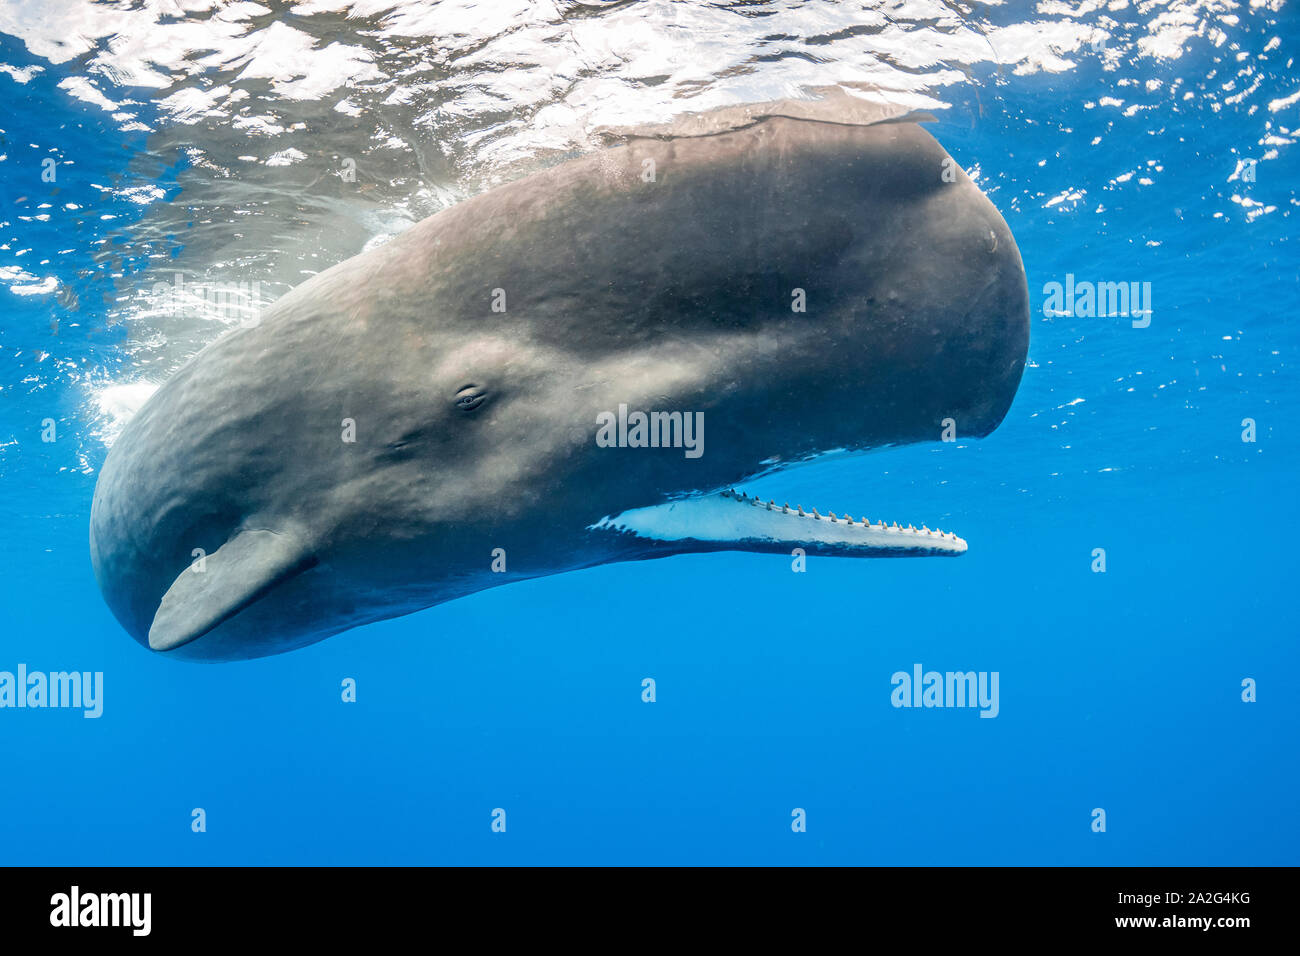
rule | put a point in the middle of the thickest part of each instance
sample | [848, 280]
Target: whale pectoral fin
[225, 582]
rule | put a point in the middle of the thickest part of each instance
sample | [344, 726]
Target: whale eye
[470, 397]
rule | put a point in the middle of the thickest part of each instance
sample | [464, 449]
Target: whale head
[568, 370]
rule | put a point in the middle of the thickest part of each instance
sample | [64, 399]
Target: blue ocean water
[1120, 144]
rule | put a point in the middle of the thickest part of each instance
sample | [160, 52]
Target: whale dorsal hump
[223, 583]
[833, 105]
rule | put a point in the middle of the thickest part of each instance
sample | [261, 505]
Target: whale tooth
[849, 518]
[785, 508]
[816, 513]
[896, 527]
[801, 514]
[770, 504]
[832, 514]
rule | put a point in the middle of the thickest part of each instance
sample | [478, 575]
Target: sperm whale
[454, 409]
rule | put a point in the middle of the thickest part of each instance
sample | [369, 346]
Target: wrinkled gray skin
[475, 429]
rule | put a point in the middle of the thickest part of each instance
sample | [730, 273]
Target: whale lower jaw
[745, 523]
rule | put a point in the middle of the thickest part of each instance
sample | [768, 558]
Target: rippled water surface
[253, 145]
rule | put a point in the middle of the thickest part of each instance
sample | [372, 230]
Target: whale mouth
[731, 520]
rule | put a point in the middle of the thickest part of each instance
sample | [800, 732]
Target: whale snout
[176, 543]
[170, 588]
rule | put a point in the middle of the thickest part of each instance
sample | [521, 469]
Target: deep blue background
[1118, 690]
